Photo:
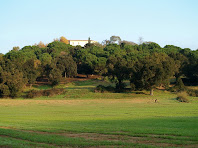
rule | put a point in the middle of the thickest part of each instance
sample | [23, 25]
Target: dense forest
[145, 65]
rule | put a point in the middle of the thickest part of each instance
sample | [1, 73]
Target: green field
[82, 118]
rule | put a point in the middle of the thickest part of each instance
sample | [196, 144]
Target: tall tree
[55, 76]
[45, 58]
[66, 65]
[118, 71]
[64, 40]
[55, 48]
[181, 62]
[31, 70]
[11, 83]
[152, 71]
[88, 62]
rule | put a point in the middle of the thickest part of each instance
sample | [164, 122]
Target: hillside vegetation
[145, 66]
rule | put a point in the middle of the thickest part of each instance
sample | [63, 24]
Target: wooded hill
[146, 65]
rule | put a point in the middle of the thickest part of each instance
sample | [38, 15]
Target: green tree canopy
[152, 71]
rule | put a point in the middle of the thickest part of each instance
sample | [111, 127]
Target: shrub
[55, 76]
[132, 86]
[34, 94]
[172, 89]
[192, 92]
[103, 89]
[182, 97]
[4, 91]
[48, 92]
[139, 93]
[53, 91]
[120, 87]
[180, 85]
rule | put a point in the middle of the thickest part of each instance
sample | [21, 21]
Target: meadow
[82, 118]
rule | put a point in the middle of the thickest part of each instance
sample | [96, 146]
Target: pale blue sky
[26, 22]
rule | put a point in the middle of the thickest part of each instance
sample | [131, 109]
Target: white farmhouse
[80, 42]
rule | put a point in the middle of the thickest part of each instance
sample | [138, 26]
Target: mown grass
[135, 119]
[57, 140]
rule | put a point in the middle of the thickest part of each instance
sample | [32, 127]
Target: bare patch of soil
[147, 140]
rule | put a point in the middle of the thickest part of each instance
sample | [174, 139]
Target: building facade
[80, 42]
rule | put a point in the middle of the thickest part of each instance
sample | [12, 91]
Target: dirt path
[149, 139]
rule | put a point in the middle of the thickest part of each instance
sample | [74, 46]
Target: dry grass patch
[11, 102]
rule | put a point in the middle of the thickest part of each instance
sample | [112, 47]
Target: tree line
[145, 65]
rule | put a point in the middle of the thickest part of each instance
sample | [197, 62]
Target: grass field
[82, 118]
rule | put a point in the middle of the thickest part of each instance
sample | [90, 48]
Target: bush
[55, 76]
[172, 89]
[132, 86]
[192, 92]
[182, 97]
[48, 92]
[53, 91]
[34, 94]
[120, 87]
[103, 89]
[180, 85]
[4, 91]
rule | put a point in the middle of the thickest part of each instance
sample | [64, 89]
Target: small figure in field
[155, 100]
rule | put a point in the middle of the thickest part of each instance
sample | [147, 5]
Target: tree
[140, 40]
[89, 40]
[171, 48]
[152, 71]
[115, 40]
[181, 62]
[1, 56]
[11, 83]
[16, 48]
[105, 42]
[4, 91]
[89, 44]
[191, 72]
[100, 66]
[114, 49]
[64, 40]
[31, 70]
[179, 84]
[56, 47]
[55, 76]
[191, 69]
[29, 52]
[118, 71]
[124, 43]
[45, 58]
[66, 65]
[88, 61]
[41, 45]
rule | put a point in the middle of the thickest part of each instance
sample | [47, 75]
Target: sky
[166, 22]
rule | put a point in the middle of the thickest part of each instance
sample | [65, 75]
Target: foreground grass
[82, 118]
